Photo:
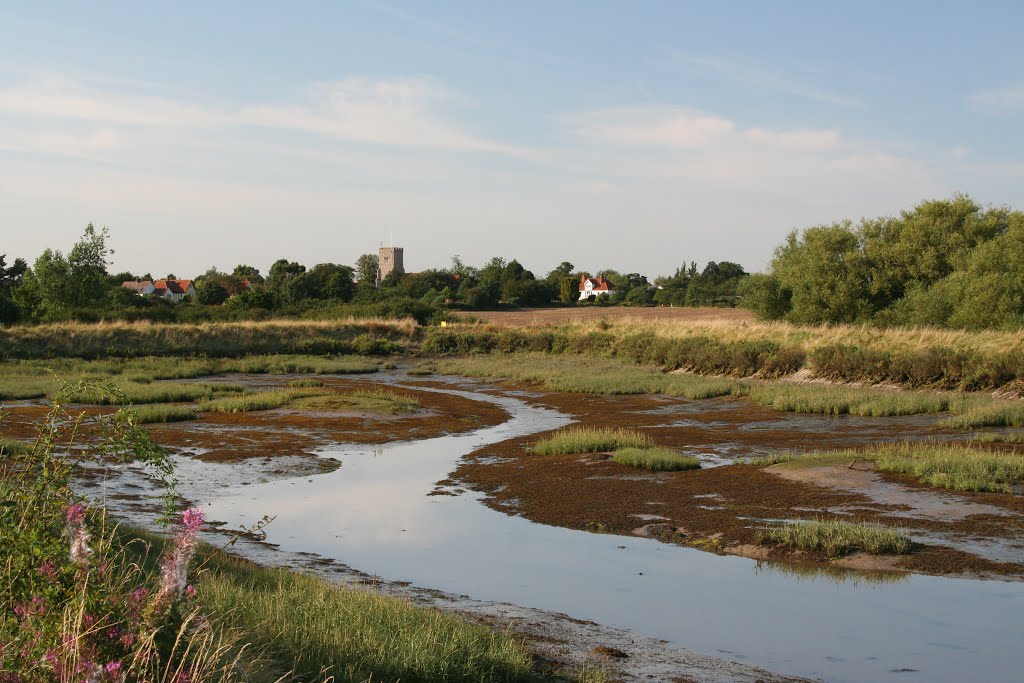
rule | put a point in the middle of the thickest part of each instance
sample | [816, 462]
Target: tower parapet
[389, 259]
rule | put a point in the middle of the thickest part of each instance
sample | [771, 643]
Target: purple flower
[48, 570]
[190, 592]
[75, 514]
[113, 669]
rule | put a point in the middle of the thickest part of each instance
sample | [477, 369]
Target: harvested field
[580, 314]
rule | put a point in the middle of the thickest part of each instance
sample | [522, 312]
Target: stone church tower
[389, 259]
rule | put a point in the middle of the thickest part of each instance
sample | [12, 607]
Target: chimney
[583, 278]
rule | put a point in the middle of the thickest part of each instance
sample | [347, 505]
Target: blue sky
[631, 135]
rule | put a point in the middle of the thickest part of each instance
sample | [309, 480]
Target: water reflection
[829, 573]
[375, 514]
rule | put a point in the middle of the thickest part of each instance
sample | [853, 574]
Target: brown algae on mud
[596, 494]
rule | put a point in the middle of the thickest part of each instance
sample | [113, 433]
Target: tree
[245, 272]
[65, 285]
[763, 294]
[367, 266]
[210, 292]
[568, 290]
[10, 278]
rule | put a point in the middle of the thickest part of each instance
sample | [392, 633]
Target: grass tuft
[836, 538]
[158, 413]
[960, 468]
[259, 400]
[591, 440]
[655, 459]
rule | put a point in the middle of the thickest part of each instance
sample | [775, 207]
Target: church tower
[389, 259]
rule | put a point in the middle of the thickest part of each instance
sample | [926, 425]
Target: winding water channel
[374, 514]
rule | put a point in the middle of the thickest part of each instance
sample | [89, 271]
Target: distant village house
[172, 290]
[594, 286]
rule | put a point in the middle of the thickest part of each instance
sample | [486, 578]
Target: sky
[633, 135]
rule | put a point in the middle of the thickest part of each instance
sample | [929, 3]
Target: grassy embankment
[614, 376]
[628, 447]
[211, 340]
[912, 358]
[333, 631]
[836, 538]
[951, 466]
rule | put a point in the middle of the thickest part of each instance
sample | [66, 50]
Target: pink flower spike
[192, 519]
[48, 570]
[190, 591]
[113, 669]
[75, 513]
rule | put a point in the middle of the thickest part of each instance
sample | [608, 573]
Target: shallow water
[374, 514]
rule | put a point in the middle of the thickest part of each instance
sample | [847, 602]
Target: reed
[836, 538]
[590, 440]
[655, 459]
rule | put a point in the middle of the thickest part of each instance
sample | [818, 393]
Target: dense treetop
[950, 263]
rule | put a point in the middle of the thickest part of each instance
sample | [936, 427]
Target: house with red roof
[173, 290]
[594, 286]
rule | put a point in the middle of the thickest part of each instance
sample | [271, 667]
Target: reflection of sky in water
[373, 514]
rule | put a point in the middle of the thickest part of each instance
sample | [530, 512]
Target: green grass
[867, 402]
[305, 383]
[357, 635]
[376, 400]
[590, 440]
[656, 459]
[13, 447]
[586, 375]
[155, 392]
[836, 538]
[991, 413]
[999, 437]
[259, 400]
[159, 413]
[960, 468]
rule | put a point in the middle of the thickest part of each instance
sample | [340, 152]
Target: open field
[534, 317]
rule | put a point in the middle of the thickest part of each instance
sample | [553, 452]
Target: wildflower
[190, 592]
[113, 670]
[75, 514]
[192, 520]
[48, 570]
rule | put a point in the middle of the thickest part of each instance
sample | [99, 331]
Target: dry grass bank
[122, 339]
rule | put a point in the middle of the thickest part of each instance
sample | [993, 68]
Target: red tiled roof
[175, 286]
[599, 284]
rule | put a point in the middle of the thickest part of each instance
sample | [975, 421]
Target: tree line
[947, 263]
[78, 286]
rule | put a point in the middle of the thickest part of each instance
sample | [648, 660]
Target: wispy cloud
[652, 126]
[403, 112]
[1005, 100]
[755, 74]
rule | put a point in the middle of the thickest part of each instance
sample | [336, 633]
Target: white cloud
[800, 139]
[959, 153]
[654, 126]
[399, 112]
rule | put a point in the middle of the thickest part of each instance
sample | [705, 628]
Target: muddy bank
[721, 508]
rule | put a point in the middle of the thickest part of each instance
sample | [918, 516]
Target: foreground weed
[591, 440]
[655, 459]
[836, 538]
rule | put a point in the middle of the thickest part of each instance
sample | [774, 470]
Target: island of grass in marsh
[836, 538]
[314, 398]
[949, 466]
[136, 378]
[590, 440]
[587, 375]
[158, 413]
[655, 459]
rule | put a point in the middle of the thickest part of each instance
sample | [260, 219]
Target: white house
[594, 286]
[142, 288]
[175, 290]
